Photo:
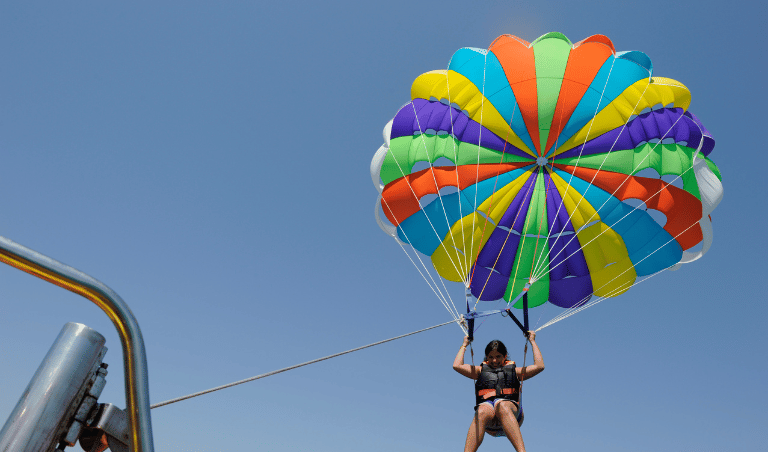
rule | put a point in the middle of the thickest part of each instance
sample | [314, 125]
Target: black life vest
[499, 383]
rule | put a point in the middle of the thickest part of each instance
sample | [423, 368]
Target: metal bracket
[108, 421]
[85, 410]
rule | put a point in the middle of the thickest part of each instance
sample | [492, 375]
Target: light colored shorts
[494, 427]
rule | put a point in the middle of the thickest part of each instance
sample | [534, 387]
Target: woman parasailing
[497, 392]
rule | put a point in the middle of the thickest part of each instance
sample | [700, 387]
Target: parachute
[556, 170]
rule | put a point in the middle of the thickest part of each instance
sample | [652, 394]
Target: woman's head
[495, 353]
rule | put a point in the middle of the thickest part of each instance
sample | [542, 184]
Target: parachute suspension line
[583, 305]
[296, 366]
[622, 183]
[616, 290]
[465, 267]
[531, 190]
[539, 260]
[413, 192]
[578, 307]
[538, 320]
[586, 138]
[477, 165]
[447, 303]
[495, 181]
[460, 269]
[576, 165]
[498, 256]
[625, 215]
[488, 213]
[534, 262]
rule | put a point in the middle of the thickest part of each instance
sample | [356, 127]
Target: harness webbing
[523, 326]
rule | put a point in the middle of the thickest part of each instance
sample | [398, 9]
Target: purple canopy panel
[557, 215]
[566, 258]
[514, 217]
[709, 142]
[499, 251]
[657, 124]
[402, 123]
[570, 292]
[496, 258]
[487, 284]
[569, 280]
[421, 115]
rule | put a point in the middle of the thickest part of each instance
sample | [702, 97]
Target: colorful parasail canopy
[566, 168]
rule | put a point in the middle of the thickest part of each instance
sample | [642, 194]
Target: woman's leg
[506, 413]
[482, 417]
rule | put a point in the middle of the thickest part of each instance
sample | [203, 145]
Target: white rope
[620, 287]
[540, 264]
[586, 138]
[575, 234]
[460, 269]
[509, 233]
[653, 149]
[448, 304]
[410, 187]
[465, 267]
[486, 215]
[257, 377]
[477, 165]
[591, 303]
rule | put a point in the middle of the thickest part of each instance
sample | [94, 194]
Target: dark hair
[495, 345]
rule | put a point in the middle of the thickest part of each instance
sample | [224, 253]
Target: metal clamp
[109, 423]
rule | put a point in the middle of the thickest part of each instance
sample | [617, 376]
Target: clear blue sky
[209, 162]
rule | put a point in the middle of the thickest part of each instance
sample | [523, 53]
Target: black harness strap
[525, 313]
[523, 326]
[470, 322]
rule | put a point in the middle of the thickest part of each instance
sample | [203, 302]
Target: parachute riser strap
[524, 327]
[525, 314]
[512, 316]
[470, 320]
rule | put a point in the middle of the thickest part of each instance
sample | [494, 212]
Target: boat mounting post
[134, 354]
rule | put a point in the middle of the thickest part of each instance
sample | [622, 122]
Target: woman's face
[496, 359]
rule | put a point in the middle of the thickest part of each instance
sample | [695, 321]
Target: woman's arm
[467, 370]
[538, 362]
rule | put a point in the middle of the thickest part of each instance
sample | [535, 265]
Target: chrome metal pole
[43, 414]
[134, 354]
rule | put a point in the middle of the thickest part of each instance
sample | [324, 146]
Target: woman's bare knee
[484, 415]
[506, 408]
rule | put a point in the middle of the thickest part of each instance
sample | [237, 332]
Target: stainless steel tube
[45, 409]
[134, 354]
